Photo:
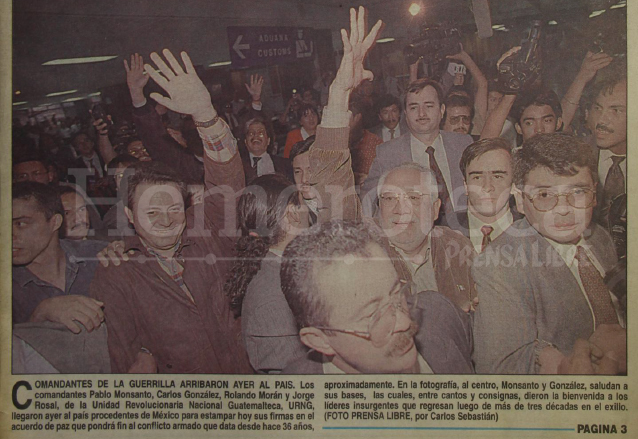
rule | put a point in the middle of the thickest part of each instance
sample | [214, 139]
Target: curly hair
[260, 211]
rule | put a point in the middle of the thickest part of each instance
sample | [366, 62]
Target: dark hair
[387, 100]
[78, 134]
[301, 147]
[318, 247]
[307, 107]
[66, 190]
[605, 87]
[480, 147]
[130, 140]
[559, 152]
[457, 100]
[122, 159]
[544, 97]
[419, 85]
[260, 210]
[153, 173]
[45, 195]
[356, 106]
[30, 156]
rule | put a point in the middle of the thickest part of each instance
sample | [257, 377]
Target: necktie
[614, 182]
[597, 291]
[487, 238]
[255, 160]
[444, 195]
[392, 134]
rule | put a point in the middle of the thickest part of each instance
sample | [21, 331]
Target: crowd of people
[463, 230]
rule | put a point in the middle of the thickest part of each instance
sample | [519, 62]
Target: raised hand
[187, 94]
[592, 63]
[355, 48]
[461, 56]
[136, 79]
[256, 84]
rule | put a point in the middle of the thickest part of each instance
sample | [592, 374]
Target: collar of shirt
[385, 132]
[304, 133]
[276, 252]
[265, 165]
[330, 369]
[499, 226]
[23, 276]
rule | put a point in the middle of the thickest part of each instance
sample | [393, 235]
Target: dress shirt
[499, 226]
[605, 162]
[304, 133]
[421, 157]
[567, 253]
[423, 274]
[385, 131]
[265, 166]
[94, 163]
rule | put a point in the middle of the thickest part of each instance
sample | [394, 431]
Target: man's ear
[442, 110]
[56, 222]
[129, 214]
[465, 186]
[316, 339]
[518, 128]
[518, 196]
[436, 207]
[559, 123]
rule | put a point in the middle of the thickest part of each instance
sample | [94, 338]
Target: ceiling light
[81, 98]
[219, 64]
[90, 59]
[597, 13]
[60, 93]
[498, 26]
[385, 40]
[95, 94]
[619, 5]
[18, 92]
[552, 23]
[20, 103]
[414, 9]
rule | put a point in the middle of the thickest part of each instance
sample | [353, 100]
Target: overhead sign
[261, 45]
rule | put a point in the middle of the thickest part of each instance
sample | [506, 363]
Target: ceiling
[44, 30]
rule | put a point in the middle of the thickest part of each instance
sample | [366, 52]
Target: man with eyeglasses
[458, 114]
[357, 314]
[541, 287]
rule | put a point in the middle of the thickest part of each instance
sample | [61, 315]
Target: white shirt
[421, 157]
[604, 164]
[330, 369]
[385, 132]
[94, 163]
[567, 253]
[265, 166]
[304, 133]
[499, 226]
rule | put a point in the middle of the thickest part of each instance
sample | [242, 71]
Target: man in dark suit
[392, 125]
[424, 144]
[541, 284]
[607, 120]
[256, 160]
[487, 168]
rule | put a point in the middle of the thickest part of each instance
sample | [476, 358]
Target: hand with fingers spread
[70, 311]
[187, 94]
[355, 48]
[256, 84]
[592, 63]
[136, 79]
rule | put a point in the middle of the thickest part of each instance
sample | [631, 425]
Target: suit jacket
[528, 298]
[282, 166]
[398, 151]
[378, 129]
[444, 338]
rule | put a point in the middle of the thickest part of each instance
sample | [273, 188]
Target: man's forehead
[427, 94]
[73, 198]
[30, 166]
[543, 177]
[150, 194]
[536, 111]
[26, 207]
[617, 95]
[393, 107]
[406, 179]
[459, 110]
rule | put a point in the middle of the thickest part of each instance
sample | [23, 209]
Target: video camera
[521, 69]
[433, 44]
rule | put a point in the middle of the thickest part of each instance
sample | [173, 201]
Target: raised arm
[480, 98]
[588, 69]
[330, 164]
[156, 140]
[494, 123]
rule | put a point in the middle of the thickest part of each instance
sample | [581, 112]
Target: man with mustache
[424, 144]
[541, 283]
[392, 124]
[607, 120]
[458, 114]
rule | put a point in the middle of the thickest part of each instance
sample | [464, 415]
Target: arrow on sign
[238, 47]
